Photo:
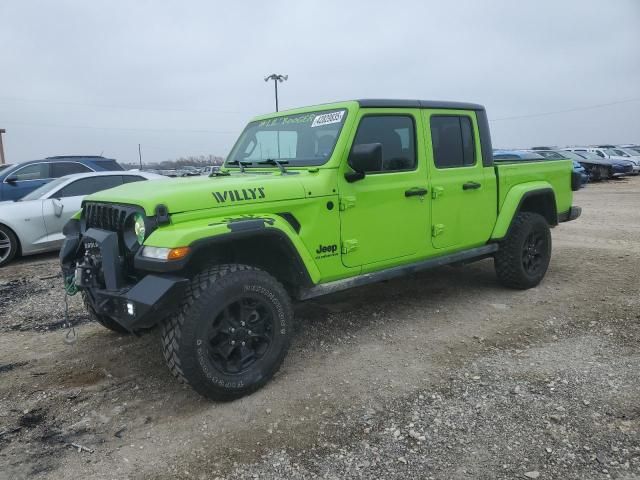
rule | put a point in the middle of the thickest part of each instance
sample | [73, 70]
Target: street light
[276, 78]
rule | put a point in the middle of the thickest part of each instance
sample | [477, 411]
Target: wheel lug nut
[243, 344]
[242, 324]
[232, 330]
[249, 332]
[233, 342]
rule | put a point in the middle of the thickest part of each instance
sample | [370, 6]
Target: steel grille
[105, 216]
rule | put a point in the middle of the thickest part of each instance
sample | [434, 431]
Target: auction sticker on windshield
[327, 118]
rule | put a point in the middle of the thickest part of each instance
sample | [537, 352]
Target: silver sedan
[34, 223]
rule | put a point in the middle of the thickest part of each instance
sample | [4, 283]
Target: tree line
[199, 161]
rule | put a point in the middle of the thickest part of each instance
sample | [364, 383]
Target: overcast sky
[182, 78]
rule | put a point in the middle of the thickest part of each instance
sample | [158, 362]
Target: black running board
[367, 278]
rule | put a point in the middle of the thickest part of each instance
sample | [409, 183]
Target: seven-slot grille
[105, 216]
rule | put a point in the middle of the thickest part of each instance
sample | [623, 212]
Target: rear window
[452, 138]
[132, 178]
[107, 165]
[60, 169]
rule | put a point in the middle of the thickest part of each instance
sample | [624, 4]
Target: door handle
[470, 186]
[416, 192]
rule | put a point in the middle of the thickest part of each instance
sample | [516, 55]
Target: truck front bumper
[99, 270]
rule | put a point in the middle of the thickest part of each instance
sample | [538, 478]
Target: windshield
[298, 140]
[615, 153]
[628, 151]
[588, 155]
[43, 190]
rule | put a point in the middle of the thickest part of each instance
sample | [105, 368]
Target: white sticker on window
[327, 118]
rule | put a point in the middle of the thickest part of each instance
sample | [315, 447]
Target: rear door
[384, 216]
[60, 169]
[463, 207]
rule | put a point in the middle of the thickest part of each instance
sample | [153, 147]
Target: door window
[396, 133]
[36, 171]
[453, 144]
[87, 186]
[60, 169]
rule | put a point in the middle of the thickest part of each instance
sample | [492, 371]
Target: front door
[463, 200]
[384, 216]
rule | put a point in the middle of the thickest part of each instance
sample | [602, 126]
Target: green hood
[188, 194]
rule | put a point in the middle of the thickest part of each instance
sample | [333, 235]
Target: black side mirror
[364, 157]
[12, 179]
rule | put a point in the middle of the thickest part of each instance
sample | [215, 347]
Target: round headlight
[138, 227]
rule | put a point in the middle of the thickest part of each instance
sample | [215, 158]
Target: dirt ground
[441, 375]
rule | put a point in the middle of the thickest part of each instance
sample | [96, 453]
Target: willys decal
[239, 195]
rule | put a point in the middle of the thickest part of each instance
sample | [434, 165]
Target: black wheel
[103, 320]
[231, 332]
[523, 256]
[8, 245]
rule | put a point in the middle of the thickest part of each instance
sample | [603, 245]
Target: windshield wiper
[277, 163]
[240, 164]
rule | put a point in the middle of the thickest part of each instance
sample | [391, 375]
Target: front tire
[523, 256]
[231, 332]
[8, 245]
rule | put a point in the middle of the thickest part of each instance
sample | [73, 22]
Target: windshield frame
[290, 163]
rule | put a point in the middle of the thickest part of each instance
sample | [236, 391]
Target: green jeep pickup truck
[310, 201]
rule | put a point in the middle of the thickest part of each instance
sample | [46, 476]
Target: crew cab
[309, 202]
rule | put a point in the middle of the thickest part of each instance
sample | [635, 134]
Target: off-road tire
[509, 261]
[8, 235]
[103, 320]
[185, 342]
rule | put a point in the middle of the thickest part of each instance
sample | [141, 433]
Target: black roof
[435, 104]
[78, 156]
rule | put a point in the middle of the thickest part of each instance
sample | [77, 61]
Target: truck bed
[557, 173]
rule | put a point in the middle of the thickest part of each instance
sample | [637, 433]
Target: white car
[610, 153]
[34, 223]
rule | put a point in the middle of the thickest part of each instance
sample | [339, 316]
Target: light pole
[276, 78]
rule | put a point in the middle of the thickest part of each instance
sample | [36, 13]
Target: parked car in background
[22, 178]
[597, 168]
[34, 223]
[188, 171]
[611, 154]
[516, 155]
[635, 148]
[584, 176]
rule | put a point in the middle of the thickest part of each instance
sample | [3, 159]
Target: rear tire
[8, 245]
[523, 256]
[103, 320]
[231, 332]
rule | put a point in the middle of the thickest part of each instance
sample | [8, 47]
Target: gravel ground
[442, 375]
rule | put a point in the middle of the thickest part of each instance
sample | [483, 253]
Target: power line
[121, 107]
[569, 110]
[92, 127]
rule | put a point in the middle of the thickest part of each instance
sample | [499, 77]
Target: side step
[366, 278]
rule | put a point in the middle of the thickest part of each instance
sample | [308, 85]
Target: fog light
[131, 309]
